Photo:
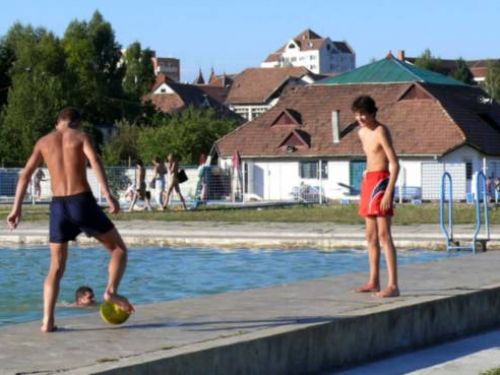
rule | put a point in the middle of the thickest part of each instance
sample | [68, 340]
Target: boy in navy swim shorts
[73, 209]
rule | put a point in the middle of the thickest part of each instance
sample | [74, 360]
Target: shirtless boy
[73, 209]
[379, 179]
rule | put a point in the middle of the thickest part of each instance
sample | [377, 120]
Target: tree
[462, 72]
[492, 81]
[429, 62]
[37, 94]
[139, 74]
[6, 60]
[92, 58]
[187, 134]
[122, 146]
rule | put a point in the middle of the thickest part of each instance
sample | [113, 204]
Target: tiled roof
[256, 85]
[186, 95]
[342, 47]
[478, 68]
[434, 121]
[390, 70]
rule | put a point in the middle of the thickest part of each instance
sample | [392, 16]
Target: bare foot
[367, 288]
[120, 301]
[48, 327]
[390, 291]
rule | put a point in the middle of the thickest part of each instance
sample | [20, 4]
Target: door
[356, 169]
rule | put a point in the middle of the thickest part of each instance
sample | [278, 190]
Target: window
[309, 169]
[468, 170]
[291, 45]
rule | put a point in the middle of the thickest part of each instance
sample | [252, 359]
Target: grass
[406, 214]
[493, 371]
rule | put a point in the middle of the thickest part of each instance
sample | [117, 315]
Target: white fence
[214, 185]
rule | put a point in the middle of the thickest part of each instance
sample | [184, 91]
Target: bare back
[63, 152]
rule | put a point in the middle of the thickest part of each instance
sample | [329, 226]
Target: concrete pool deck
[255, 235]
[307, 327]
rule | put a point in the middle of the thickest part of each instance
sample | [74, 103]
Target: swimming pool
[162, 274]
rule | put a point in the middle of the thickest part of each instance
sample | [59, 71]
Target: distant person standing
[173, 180]
[141, 188]
[159, 172]
[37, 183]
[377, 190]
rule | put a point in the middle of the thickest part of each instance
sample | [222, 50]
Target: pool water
[162, 274]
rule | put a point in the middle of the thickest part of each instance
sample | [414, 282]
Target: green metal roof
[390, 70]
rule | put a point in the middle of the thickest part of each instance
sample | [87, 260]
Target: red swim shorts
[373, 188]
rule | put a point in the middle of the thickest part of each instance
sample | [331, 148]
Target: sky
[231, 35]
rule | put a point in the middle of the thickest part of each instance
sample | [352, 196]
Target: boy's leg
[117, 264]
[58, 256]
[385, 238]
[373, 284]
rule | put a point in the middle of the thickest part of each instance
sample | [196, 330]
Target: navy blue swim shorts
[70, 215]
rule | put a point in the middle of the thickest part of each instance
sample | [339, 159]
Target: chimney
[401, 55]
[336, 126]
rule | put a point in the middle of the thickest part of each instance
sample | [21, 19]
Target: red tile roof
[434, 126]
[256, 85]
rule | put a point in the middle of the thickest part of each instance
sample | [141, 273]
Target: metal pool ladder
[481, 195]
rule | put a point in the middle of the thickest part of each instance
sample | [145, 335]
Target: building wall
[322, 61]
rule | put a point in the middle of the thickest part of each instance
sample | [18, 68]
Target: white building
[310, 137]
[319, 55]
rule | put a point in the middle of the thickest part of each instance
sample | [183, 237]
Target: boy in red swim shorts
[377, 189]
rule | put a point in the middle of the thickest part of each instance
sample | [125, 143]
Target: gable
[164, 89]
[415, 92]
[287, 117]
[295, 140]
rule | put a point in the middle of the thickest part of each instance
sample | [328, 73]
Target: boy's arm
[386, 142]
[24, 179]
[96, 164]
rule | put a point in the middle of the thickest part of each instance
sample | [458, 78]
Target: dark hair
[139, 162]
[158, 159]
[81, 291]
[69, 113]
[364, 103]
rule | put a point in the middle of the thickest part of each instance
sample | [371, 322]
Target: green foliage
[92, 58]
[122, 146]
[462, 72]
[492, 81]
[429, 62]
[139, 74]
[36, 95]
[187, 134]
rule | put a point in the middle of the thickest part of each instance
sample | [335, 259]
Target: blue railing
[480, 196]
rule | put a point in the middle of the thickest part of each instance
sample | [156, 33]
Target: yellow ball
[113, 314]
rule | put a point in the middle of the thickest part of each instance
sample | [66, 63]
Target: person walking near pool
[159, 172]
[173, 180]
[73, 209]
[141, 188]
[377, 189]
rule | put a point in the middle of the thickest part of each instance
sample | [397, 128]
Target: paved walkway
[221, 234]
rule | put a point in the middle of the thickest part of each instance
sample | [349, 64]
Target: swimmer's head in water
[84, 296]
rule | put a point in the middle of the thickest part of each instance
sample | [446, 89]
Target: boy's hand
[13, 219]
[385, 203]
[114, 206]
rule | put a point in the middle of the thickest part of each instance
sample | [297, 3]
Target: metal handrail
[481, 178]
[448, 230]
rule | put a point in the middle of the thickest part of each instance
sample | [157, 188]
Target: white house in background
[310, 136]
[319, 55]
[169, 66]
[255, 90]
